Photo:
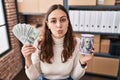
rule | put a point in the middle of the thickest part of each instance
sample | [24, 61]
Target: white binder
[87, 21]
[76, 20]
[119, 23]
[98, 21]
[71, 15]
[110, 21]
[92, 21]
[82, 20]
[104, 20]
[116, 22]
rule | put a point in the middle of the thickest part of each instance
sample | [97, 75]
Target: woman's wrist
[28, 62]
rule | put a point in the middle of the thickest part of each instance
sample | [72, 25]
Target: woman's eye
[63, 20]
[53, 21]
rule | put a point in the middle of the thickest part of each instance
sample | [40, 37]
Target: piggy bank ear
[90, 45]
[82, 43]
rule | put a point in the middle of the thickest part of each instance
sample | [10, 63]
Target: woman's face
[58, 23]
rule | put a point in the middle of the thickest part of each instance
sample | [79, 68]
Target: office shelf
[94, 7]
[102, 33]
[106, 55]
[99, 8]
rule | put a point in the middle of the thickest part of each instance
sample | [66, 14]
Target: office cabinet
[36, 6]
[104, 65]
[107, 57]
[28, 6]
[82, 2]
[45, 4]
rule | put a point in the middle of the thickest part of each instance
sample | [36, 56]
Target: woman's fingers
[85, 58]
[93, 50]
[27, 50]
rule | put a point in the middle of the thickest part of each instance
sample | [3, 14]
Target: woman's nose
[59, 24]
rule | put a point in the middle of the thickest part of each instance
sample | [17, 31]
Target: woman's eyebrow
[63, 16]
[53, 18]
[60, 17]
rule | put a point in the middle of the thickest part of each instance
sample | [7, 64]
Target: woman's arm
[32, 62]
[27, 51]
[80, 62]
[34, 72]
[78, 71]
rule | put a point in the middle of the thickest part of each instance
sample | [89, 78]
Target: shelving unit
[94, 7]
[103, 8]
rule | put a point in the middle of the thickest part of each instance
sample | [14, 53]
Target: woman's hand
[85, 58]
[27, 50]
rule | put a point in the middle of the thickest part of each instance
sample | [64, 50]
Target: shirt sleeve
[34, 71]
[77, 71]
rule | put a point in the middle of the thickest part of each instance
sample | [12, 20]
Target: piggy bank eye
[87, 41]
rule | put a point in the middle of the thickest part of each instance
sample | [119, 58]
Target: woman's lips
[60, 31]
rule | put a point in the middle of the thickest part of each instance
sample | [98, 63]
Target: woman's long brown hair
[46, 45]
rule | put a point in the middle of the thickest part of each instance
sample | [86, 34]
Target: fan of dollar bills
[25, 33]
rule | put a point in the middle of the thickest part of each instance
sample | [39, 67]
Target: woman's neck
[58, 40]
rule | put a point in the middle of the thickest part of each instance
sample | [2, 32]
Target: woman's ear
[47, 24]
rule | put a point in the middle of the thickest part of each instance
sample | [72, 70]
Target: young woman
[56, 56]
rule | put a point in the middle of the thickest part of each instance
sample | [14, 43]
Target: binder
[71, 15]
[119, 23]
[116, 22]
[87, 21]
[76, 20]
[110, 21]
[98, 21]
[82, 20]
[104, 20]
[92, 21]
